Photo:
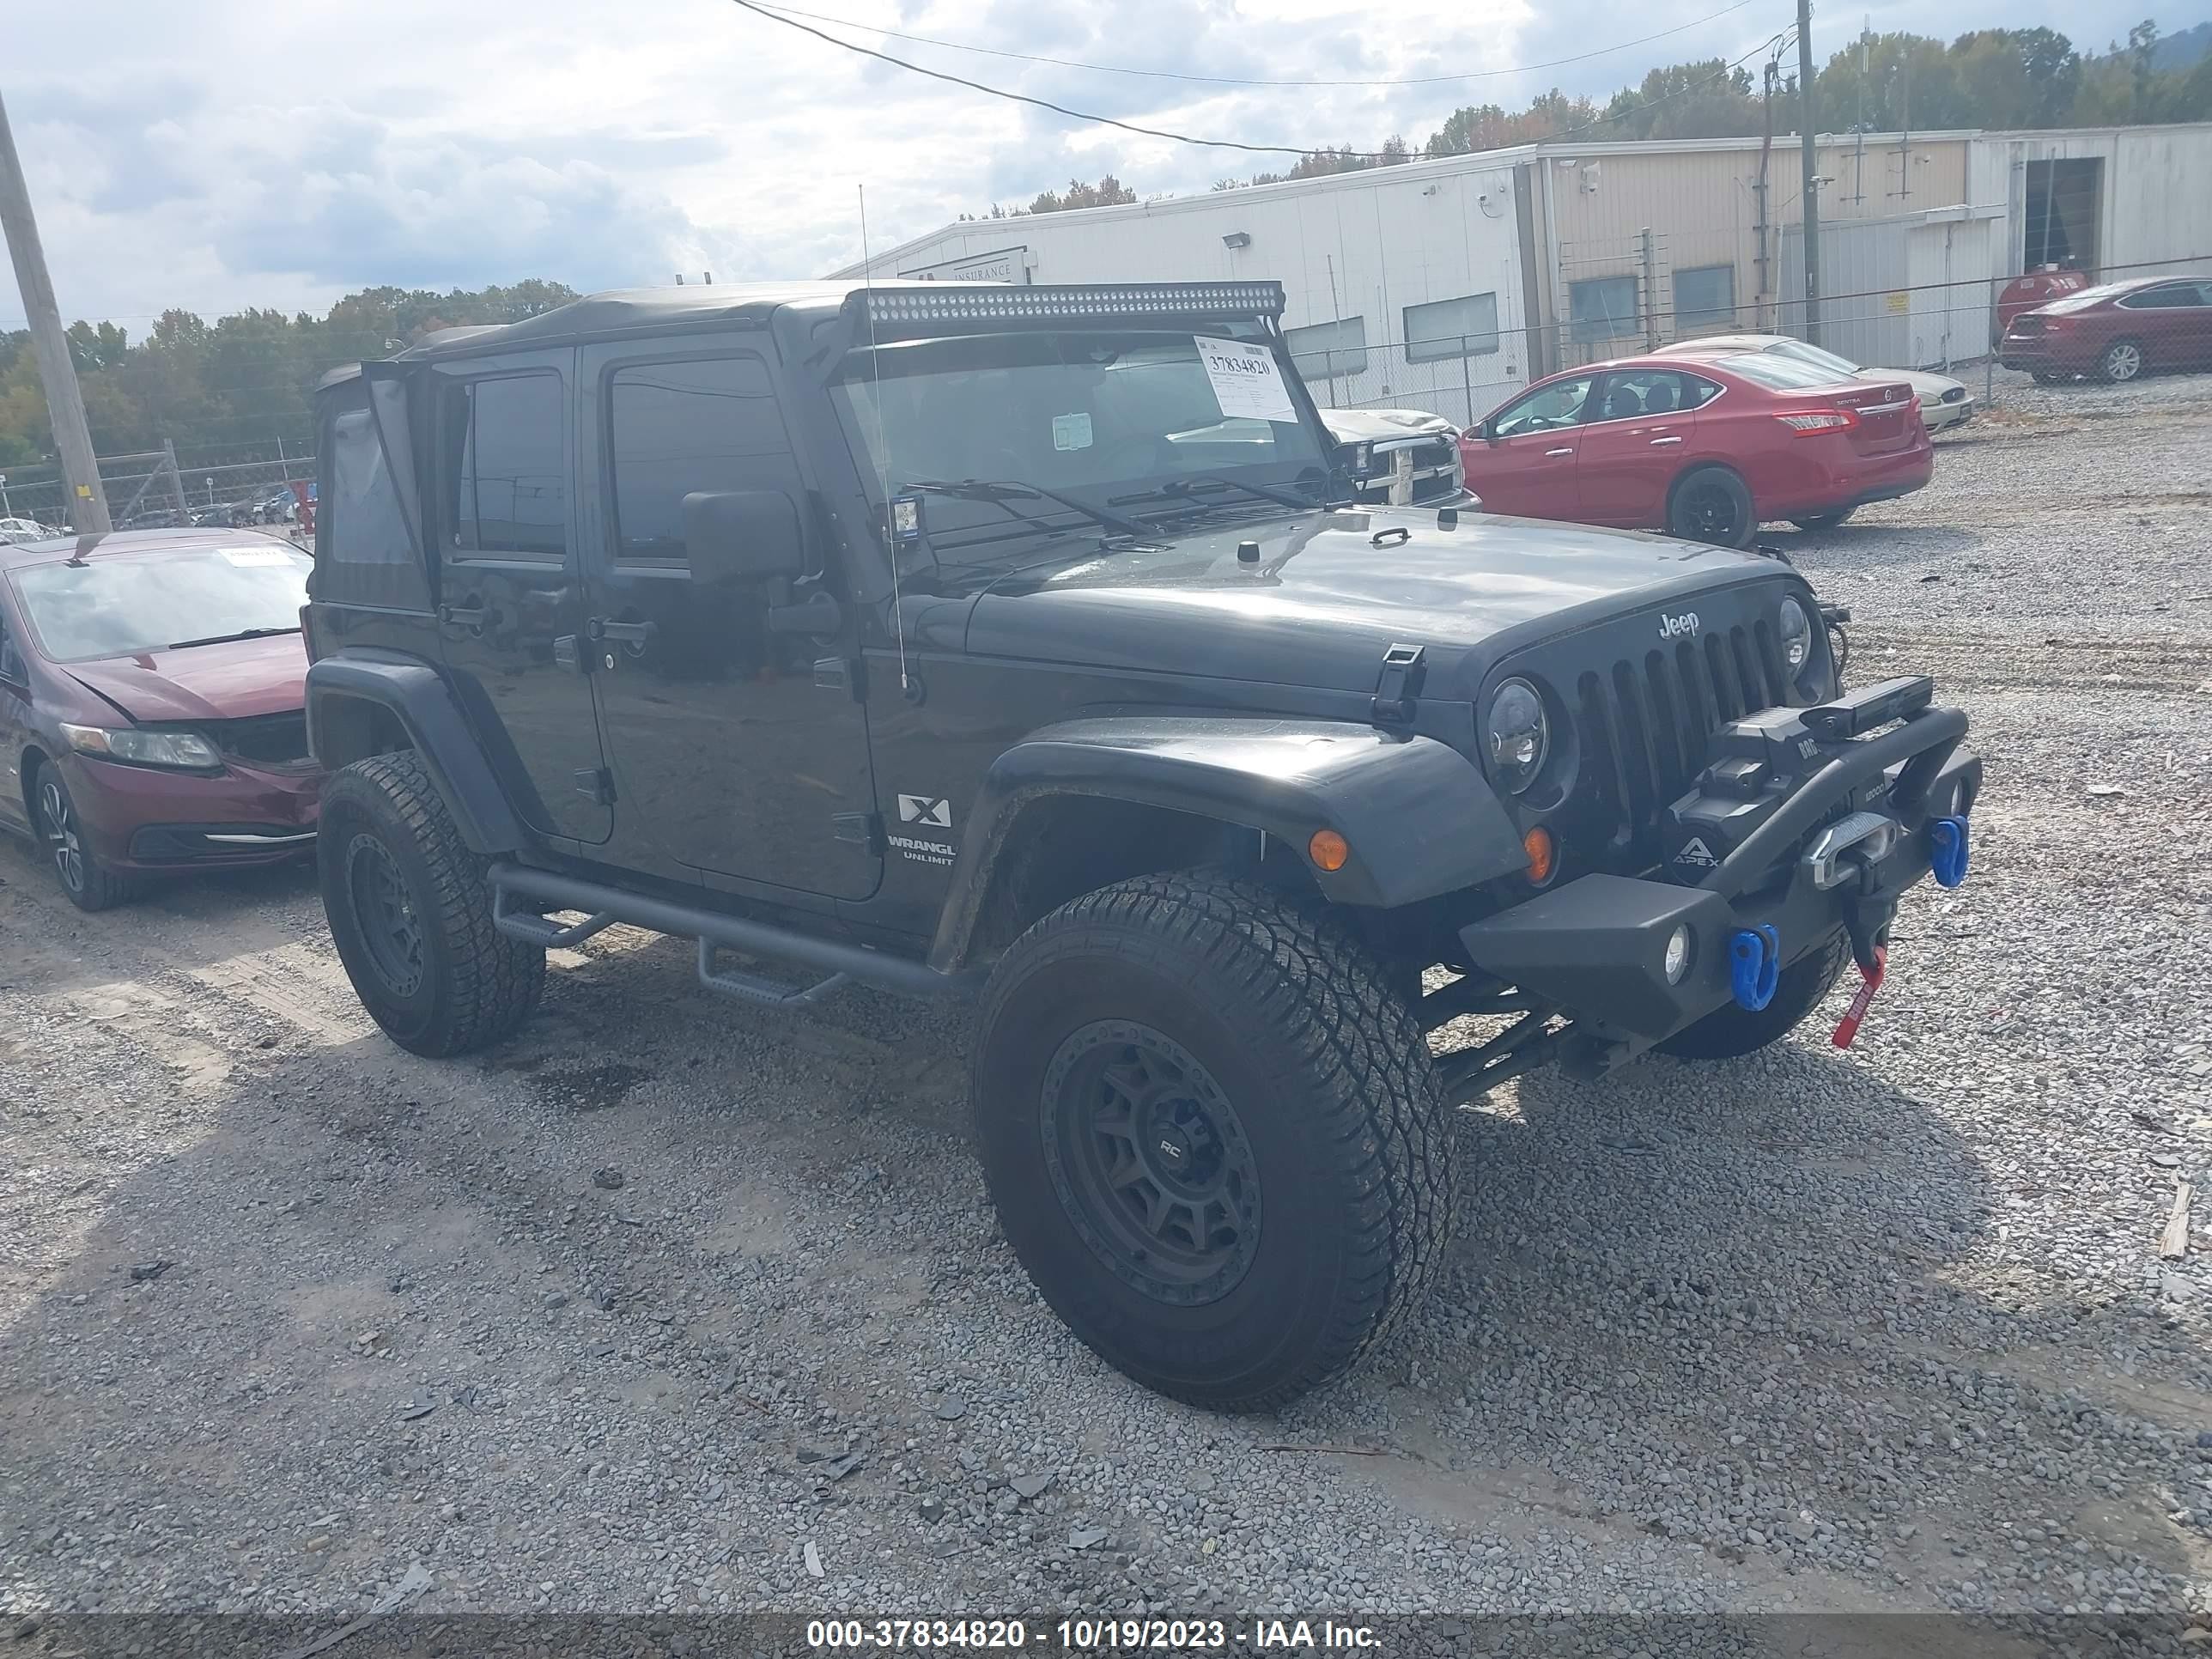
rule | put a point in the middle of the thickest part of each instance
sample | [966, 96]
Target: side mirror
[1488, 430]
[742, 536]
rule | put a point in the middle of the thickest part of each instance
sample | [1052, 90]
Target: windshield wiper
[1004, 494]
[1211, 484]
[231, 639]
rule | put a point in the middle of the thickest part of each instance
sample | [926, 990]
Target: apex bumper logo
[921, 809]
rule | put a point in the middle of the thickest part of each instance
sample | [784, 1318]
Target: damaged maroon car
[151, 686]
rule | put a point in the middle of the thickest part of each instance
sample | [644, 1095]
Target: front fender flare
[418, 697]
[1420, 819]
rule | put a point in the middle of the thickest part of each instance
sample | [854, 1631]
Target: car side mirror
[742, 536]
[1488, 431]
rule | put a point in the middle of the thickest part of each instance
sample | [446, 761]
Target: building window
[1326, 350]
[509, 490]
[1601, 308]
[711, 424]
[1451, 328]
[1704, 298]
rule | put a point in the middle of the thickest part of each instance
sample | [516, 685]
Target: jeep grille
[1645, 725]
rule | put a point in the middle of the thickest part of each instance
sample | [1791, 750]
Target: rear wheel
[1817, 521]
[1733, 1031]
[90, 885]
[1713, 504]
[411, 913]
[2122, 361]
[1213, 1135]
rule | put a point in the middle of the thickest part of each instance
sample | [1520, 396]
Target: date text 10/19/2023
[1087, 1635]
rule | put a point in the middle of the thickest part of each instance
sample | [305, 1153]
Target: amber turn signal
[1543, 853]
[1327, 849]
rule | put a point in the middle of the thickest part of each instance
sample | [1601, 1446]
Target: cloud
[232, 153]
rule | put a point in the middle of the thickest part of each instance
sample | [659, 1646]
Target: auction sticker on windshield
[255, 557]
[1246, 379]
[1071, 431]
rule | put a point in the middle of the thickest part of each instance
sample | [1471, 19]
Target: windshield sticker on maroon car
[1245, 380]
[248, 558]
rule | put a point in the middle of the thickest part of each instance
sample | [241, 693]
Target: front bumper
[1595, 948]
[139, 817]
[1945, 417]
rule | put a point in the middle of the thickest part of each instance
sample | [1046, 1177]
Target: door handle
[632, 634]
[470, 615]
[1655, 442]
[1569, 450]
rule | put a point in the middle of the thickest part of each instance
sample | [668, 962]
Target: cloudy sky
[236, 153]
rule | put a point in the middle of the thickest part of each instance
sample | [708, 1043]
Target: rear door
[1633, 445]
[732, 752]
[1525, 465]
[511, 603]
[14, 717]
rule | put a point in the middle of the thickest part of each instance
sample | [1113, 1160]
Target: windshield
[1099, 417]
[126, 606]
[1798, 351]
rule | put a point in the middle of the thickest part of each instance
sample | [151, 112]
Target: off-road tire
[1350, 1136]
[88, 882]
[476, 984]
[1687, 509]
[1733, 1031]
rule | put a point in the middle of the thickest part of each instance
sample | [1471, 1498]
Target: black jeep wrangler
[1019, 646]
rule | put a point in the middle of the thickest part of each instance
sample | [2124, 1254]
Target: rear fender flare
[418, 698]
[1419, 818]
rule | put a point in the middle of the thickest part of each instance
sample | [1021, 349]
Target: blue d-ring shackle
[1946, 857]
[1755, 965]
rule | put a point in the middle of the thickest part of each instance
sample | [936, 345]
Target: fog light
[1678, 956]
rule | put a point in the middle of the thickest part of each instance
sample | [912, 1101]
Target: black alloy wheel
[1152, 1161]
[391, 934]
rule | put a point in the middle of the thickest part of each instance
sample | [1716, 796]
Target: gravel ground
[674, 1303]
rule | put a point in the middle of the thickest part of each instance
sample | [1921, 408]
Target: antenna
[882, 448]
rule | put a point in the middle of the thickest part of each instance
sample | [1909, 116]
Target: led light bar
[936, 305]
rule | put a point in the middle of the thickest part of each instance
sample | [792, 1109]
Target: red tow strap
[1848, 1026]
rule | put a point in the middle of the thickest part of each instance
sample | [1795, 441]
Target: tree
[1109, 192]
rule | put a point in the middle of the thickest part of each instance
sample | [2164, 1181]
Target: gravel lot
[674, 1301]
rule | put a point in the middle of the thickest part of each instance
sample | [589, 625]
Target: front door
[1526, 465]
[511, 608]
[731, 753]
[1632, 446]
[14, 722]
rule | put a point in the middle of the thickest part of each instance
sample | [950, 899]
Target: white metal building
[1444, 284]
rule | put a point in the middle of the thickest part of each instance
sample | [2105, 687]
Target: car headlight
[1796, 630]
[1518, 733]
[186, 750]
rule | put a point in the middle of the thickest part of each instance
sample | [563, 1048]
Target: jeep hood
[231, 681]
[1324, 600]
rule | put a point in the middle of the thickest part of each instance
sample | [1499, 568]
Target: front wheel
[1713, 504]
[411, 913]
[90, 885]
[2122, 361]
[1213, 1135]
[1733, 1031]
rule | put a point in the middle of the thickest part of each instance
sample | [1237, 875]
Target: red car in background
[2115, 331]
[152, 687]
[1704, 448]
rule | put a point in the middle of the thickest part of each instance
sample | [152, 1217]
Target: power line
[1235, 81]
[1187, 138]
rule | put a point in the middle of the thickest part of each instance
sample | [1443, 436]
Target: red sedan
[2115, 331]
[152, 685]
[1705, 448]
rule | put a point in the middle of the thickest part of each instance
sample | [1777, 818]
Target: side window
[506, 471]
[11, 662]
[1697, 391]
[709, 425]
[2172, 297]
[1545, 409]
[1642, 393]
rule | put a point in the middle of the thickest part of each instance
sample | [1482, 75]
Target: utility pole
[1812, 189]
[88, 501]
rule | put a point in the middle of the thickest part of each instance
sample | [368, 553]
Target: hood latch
[1399, 687]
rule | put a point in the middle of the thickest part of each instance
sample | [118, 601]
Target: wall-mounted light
[1236, 239]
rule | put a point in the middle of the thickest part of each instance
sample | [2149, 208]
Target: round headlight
[1796, 630]
[1518, 734]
